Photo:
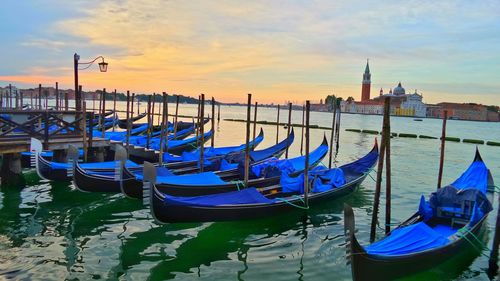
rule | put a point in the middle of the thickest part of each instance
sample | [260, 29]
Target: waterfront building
[414, 106]
[463, 111]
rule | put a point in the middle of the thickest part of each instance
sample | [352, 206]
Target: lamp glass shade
[103, 66]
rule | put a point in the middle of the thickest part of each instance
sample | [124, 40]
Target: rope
[480, 251]
[238, 183]
[461, 234]
[388, 224]
[292, 204]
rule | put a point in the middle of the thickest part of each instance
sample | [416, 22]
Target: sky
[277, 50]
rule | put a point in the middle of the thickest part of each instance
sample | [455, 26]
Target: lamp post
[103, 67]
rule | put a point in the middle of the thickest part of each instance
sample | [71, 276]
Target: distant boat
[418, 119]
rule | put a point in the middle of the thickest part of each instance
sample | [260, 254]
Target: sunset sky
[277, 50]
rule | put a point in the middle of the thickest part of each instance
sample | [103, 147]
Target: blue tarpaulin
[322, 180]
[160, 172]
[244, 196]
[206, 178]
[94, 165]
[476, 177]
[414, 238]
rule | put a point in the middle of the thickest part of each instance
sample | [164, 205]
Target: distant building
[414, 105]
[319, 106]
[463, 111]
[366, 84]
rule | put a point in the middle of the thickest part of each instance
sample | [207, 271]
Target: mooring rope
[238, 183]
[463, 235]
[293, 204]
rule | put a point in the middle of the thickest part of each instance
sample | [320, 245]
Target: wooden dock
[18, 145]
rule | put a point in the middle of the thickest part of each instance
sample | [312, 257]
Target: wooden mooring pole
[289, 124]
[202, 133]
[278, 124]
[149, 118]
[441, 157]
[247, 148]
[46, 99]
[78, 107]
[212, 140]
[306, 170]
[39, 96]
[132, 106]
[380, 168]
[386, 129]
[115, 115]
[163, 134]
[138, 105]
[332, 136]
[66, 101]
[153, 110]
[160, 109]
[218, 113]
[85, 141]
[255, 120]
[493, 260]
[337, 137]
[10, 95]
[103, 112]
[57, 96]
[176, 114]
[302, 131]
[129, 123]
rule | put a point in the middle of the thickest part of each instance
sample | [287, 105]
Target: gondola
[127, 183]
[122, 123]
[27, 157]
[191, 159]
[63, 171]
[231, 179]
[249, 203]
[120, 136]
[176, 147]
[134, 190]
[57, 171]
[442, 228]
[88, 180]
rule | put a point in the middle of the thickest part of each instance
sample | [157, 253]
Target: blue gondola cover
[244, 196]
[406, 240]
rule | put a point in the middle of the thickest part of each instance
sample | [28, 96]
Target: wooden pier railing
[53, 128]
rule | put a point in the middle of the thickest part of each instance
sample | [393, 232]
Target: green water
[50, 231]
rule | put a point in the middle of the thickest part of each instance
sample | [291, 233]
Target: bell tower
[365, 89]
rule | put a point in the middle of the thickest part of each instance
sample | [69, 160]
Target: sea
[51, 231]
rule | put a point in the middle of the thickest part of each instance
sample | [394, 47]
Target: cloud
[304, 49]
[44, 44]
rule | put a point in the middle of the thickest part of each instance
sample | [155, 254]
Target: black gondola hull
[166, 213]
[94, 183]
[45, 171]
[370, 267]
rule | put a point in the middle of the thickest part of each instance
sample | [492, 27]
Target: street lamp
[103, 67]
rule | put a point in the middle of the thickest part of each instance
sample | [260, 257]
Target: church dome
[399, 90]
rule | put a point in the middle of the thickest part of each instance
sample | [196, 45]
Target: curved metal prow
[148, 181]
[120, 153]
[73, 153]
[73, 156]
[349, 226]
[36, 148]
